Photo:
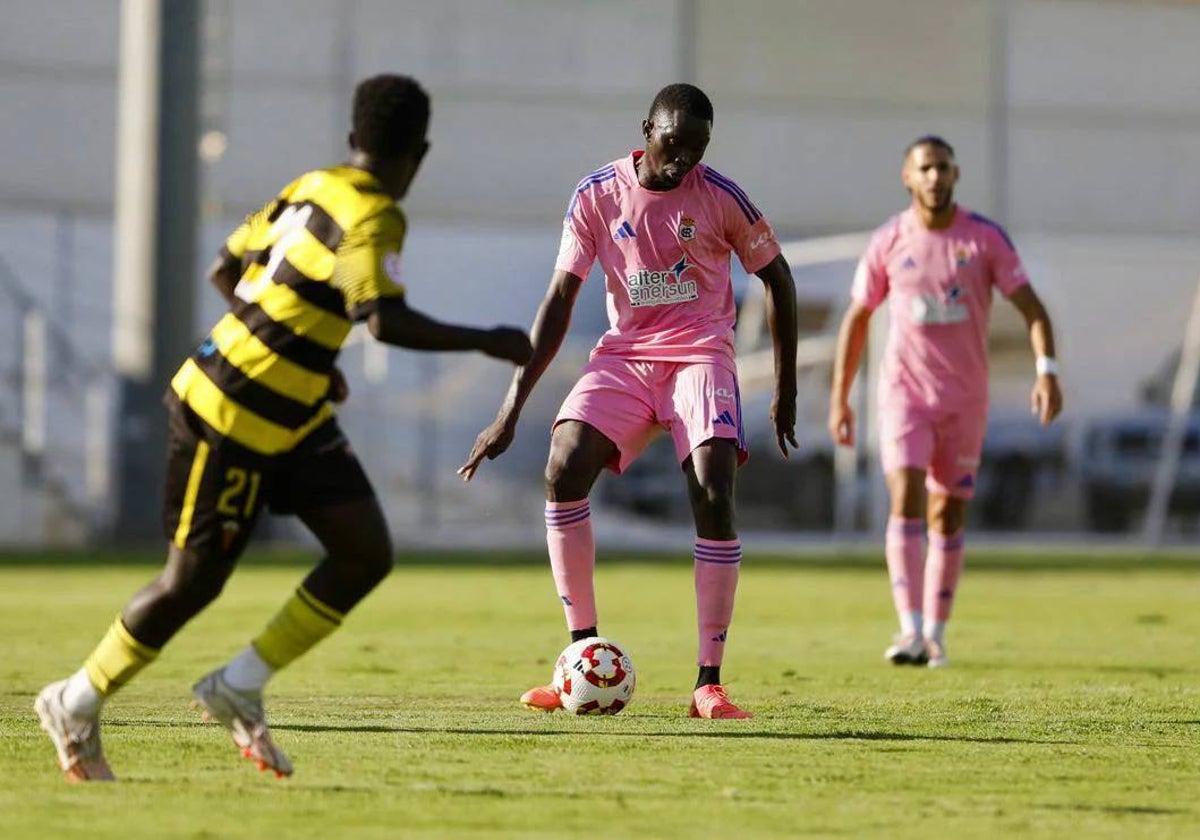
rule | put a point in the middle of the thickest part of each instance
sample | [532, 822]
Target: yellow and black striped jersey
[314, 259]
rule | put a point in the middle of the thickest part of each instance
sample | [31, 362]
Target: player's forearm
[549, 329]
[1041, 335]
[852, 337]
[398, 325]
[781, 321]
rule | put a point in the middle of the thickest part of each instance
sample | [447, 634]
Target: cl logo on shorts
[687, 228]
[723, 393]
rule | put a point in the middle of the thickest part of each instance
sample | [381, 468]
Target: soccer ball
[594, 677]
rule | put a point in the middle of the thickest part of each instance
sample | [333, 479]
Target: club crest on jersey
[648, 287]
[687, 228]
[962, 256]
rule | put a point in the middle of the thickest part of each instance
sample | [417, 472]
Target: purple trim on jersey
[718, 180]
[598, 177]
[741, 429]
[976, 217]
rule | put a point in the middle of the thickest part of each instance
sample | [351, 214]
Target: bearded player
[938, 262]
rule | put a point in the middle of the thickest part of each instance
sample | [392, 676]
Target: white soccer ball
[594, 677]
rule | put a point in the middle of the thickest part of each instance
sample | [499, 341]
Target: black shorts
[216, 488]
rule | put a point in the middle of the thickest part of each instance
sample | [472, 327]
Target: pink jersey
[940, 283]
[665, 257]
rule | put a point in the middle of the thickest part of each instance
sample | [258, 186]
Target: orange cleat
[242, 714]
[544, 698]
[710, 701]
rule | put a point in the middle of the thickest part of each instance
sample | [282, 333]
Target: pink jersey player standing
[663, 226]
[938, 263]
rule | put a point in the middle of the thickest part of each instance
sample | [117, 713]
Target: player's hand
[841, 424]
[783, 418]
[490, 444]
[338, 387]
[1046, 400]
[510, 344]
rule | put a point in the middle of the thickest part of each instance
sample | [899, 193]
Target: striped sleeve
[367, 267]
[1008, 274]
[235, 243]
[577, 248]
[747, 231]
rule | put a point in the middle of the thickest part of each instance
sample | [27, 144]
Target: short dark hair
[391, 115]
[682, 97]
[929, 140]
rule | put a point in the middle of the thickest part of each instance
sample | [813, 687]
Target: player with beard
[938, 262]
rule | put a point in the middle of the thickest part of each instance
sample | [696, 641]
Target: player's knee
[714, 500]
[193, 588]
[378, 561]
[562, 479]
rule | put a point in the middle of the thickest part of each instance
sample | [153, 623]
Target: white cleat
[907, 650]
[76, 740]
[937, 654]
[241, 712]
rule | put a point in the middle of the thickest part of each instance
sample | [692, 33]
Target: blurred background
[138, 133]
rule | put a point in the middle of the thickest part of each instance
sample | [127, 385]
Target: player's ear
[647, 128]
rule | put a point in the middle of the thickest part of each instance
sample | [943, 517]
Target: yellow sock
[117, 659]
[295, 629]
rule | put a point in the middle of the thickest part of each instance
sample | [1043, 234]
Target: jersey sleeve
[870, 286]
[1008, 274]
[747, 231]
[235, 243]
[367, 267]
[577, 248]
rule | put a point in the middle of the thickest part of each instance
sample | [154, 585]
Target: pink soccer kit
[667, 361]
[934, 383]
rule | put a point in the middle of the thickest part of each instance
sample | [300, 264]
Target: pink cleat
[711, 701]
[544, 698]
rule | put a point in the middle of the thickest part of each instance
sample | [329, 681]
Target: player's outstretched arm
[852, 337]
[549, 329]
[395, 322]
[1046, 400]
[781, 320]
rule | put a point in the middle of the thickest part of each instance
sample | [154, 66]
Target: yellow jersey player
[252, 425]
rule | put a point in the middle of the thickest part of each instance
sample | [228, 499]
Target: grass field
[1072, 709]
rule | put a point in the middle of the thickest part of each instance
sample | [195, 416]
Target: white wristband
[1046, 366]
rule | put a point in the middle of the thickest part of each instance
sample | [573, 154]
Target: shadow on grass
[848, 735]
[983, 559]
[1136, 810]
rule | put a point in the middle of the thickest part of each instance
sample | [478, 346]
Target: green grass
[1072, 709]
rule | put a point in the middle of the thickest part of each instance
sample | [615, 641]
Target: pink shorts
[946, 445]
[629, 402]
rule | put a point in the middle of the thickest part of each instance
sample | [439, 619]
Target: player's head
[930, 172]
[391, 117]
[677, 132]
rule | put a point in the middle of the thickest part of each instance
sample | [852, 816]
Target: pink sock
[942, 571]
[717, 565]
[573, 559]
[904, 549]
